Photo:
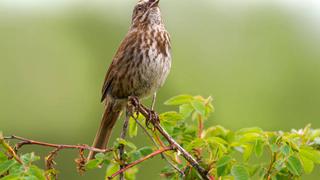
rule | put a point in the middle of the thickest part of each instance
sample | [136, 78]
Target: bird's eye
[139, 8]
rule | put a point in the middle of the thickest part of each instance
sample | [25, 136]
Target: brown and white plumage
[139, 67]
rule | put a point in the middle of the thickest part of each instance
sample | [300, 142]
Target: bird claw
[153, 118]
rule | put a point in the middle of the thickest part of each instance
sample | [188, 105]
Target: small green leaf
[224, 161]
[126, 143]
[185, 110]
[178, 100]
[196, 143]
[311, 154]
[308, 164]
[99, 156]
[294, 165]
[170, 116]
[5, 166]
[247, 152]
[133, 127]
[93, 164]
[258, 147]
[199, 106]
[249, 137]
[37, 172]
[11, 177]
[145, 151]
[112, 168]
[3, 157]
[285, 150]
[274, 147]
[29, 158]
[240, 172]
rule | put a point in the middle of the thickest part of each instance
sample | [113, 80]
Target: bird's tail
[109, 118]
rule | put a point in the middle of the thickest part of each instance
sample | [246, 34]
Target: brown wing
[117, 62]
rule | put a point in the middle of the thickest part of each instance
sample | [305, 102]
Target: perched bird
[139, 67]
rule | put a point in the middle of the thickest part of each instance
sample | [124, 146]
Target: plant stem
[155, 153]
[60, 146]
[121, 147]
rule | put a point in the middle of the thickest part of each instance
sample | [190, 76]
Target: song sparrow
[139, 67]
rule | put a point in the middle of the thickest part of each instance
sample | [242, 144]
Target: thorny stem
[121, 147]
[60, 146]
[155, 153]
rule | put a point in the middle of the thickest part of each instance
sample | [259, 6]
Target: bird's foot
[153, 118]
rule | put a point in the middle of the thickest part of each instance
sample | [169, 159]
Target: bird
[139, 67]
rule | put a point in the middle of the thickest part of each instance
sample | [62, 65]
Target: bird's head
[147, 12]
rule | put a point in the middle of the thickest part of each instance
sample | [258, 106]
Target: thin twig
[121, 147]
[146, 113]
[155, 143]
[155, 153]
[10, 150]
[61, 146]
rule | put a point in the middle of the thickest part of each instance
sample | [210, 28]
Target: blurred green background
[260, 60]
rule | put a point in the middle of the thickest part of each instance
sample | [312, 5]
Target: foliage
[248, 153]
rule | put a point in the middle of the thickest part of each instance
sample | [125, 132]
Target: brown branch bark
[121, 147]
[25, 141]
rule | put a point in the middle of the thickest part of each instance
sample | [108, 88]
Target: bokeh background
[260, 60]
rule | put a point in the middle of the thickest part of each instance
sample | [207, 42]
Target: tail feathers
[108, 121]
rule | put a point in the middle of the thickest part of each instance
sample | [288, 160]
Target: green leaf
[196, 143]
[249, 137]
[258, 147]
[126, 143]
[29, 158]
[294, 165]
[311, 154]
[178, 100]
[285, 150]
[240, 172]
[36, 172]
[145, 151]
[170, 116]
[199, 106]
[133, 127]
[130, 174]
[247, 152]
[135, 155]
[3, 157]
[5, 166]
[224, 161]
[185, 110]
[112, 168]
[12, 177]
[99, 156]
[308, 164]
[93, 164]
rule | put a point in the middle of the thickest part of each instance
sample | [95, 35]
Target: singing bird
[139, 67]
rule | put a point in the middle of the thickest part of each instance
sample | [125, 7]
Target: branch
[148, 114]
[155, 143]
[60, 146]
[169, 148]
[9, 149]
[121, 147]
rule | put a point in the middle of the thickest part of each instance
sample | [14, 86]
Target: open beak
[153, 3]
